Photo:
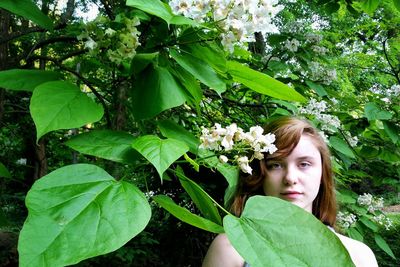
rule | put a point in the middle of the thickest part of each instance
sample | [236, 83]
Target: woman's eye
[274, 166]
[304, 164]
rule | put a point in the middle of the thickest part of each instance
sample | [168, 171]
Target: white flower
[90, 44]
[21, 161]
[244, 164]
[109, 32]
[223, 159]
[345, 220]
[292, 45]
[381, 219]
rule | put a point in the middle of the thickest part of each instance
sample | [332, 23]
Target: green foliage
[4, 172]
[262, 242]
[26, 80]
[84, 206]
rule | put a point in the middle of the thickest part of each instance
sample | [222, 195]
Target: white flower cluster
[353, 140]
[388, 93]
[319, 50]
[234, 139]
[239, 19]
[120, 45]
[21, 161]
[371, 202]
[313, 38]
[320, 73]
[292, 45]
[328, 122]
[345, 219]
[381, 219]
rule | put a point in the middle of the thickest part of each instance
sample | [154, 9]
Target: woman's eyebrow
[306, 158]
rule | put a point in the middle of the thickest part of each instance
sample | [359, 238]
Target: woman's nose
[291, 175]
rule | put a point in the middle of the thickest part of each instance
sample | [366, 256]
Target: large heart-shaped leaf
[186, 216]
[199, 69]
[170, 129]
[373, 112]
[77, 212]
[26, 80]
[160, 152]
[62, 105]
[106, 144]
[28, 10]
[156, 90]
[201, 199]
[262, 83]
[273, 232]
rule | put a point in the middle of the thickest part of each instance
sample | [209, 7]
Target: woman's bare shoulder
[360, 253]
[222, 253]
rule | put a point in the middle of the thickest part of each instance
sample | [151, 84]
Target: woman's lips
[291, 194]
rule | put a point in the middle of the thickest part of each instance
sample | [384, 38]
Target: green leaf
[262, 83]
[389, 156]
[156, 90]
[170, 129]
[397, 4]
[26, 80]
[201, 199]
[340, 145]
[78, 212]
[4, 172]
[368, 223]
[161, 10]
[392, 131]
[106, 144]
[62, 105]
[186, 216]
[160, 152]
[274, 232]
[319, 89]
[383, 245]
[369, 6]
[210, 53]
[141, 61]
[199, 69]
[373, 112]
[28, 10]
[355, 234]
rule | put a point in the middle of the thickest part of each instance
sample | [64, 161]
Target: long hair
[288, 131]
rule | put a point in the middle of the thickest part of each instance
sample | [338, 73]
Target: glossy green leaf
[26, 80]
[201, 199]
[160, 152]
[389, 156]
[4, 172]
[199, 69]
[373, 112]
[106, 144]
[161, 10]
[170, 129]
[141, 61]
[262, 83]
[340, 145]
[156, 90]
[397, 4]
[353, 232]
[210, 53]
[28, 10]
[383, 245]
[78, 212]
[319, 89]
[186, 216]
[273, 232]
[392, 130]
[368, 223]
[369, 6]
[62, 105]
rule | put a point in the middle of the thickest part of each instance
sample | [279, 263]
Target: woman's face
[297, 177]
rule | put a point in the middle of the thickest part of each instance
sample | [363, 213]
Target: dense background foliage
[144, 77]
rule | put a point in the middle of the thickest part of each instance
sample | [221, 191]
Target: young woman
[300, 172]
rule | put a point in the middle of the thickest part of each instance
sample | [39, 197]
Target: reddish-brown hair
[288, 131]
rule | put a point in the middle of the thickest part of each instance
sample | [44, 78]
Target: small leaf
[199, 69]
[262, 83]
[26, 80]
[368, 223]
[383, 245]
[170, 129]
[373, 112]
[78, 212]
[355, 234]
[319, 89]
[186, 216]
[369, 6]
[339, 145]
[274, 232]
[201, 199]
[106, 144]
[28, 10]
[156, 90]
[4, 172]
[62, 105]
[392, 131]
[192, 162]
[160, 152]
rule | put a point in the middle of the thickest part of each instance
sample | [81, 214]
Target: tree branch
[395, 72]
